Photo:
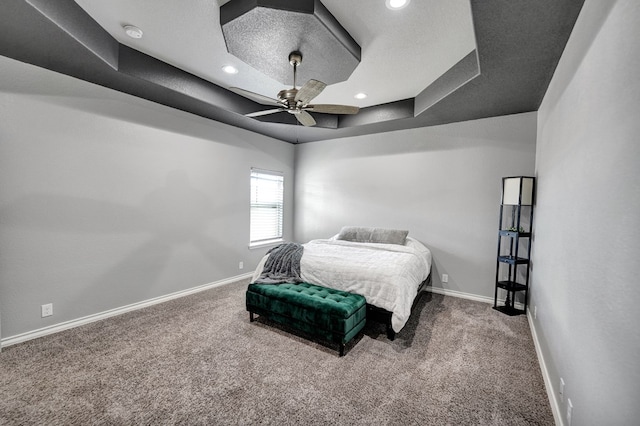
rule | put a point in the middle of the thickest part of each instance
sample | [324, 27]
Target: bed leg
[341, 349]
[391, 335]
[251, 319]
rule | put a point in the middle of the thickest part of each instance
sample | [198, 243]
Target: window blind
[267, 206]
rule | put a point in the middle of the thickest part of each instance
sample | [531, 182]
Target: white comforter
[387, 275]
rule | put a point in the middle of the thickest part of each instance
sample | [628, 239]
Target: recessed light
[230, 69]
[360, 96]
[133, 31]
[396, 4]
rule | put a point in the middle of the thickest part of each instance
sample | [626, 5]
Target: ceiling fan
[296, 101]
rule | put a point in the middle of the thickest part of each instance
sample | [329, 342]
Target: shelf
[514, 234]
[511, 285]
[516, 222]
[509, 310]
[512, 260]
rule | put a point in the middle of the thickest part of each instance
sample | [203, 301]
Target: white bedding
[387, 275]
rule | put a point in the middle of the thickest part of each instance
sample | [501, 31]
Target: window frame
[278, 203]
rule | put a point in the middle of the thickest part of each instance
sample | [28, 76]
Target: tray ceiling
[433, 62]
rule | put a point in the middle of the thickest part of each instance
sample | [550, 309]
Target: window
[267, 206]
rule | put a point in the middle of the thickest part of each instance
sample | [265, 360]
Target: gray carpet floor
[199, 361]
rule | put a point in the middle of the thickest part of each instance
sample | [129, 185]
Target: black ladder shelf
[514, 243]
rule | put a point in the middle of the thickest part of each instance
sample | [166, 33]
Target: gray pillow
[360, 234]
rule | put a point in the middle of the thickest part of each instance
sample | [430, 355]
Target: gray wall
[108, 200]
[442, 183]
[587, 227]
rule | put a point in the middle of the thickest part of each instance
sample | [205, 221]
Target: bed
[386, 266]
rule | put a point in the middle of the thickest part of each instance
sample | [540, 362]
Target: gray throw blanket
[283, 265]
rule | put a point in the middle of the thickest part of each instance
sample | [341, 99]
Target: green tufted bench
[334, 315]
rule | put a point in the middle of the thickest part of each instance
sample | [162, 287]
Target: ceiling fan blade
[310, 90]
[305, 118]
[333, 109]
[265, 112]
[257, 97]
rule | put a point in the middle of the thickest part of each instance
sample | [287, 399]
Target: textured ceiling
[262, 34]
[434, 62]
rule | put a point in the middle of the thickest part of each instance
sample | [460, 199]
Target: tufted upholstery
[328, 313]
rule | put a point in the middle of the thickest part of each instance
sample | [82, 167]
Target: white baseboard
[55, 328]
[460, 294]
[468, 296]
[548, 384]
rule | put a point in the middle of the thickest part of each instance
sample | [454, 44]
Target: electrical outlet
[561, 389]
[445, 278]
[47, 310]
[569, 412]
[241, 265]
